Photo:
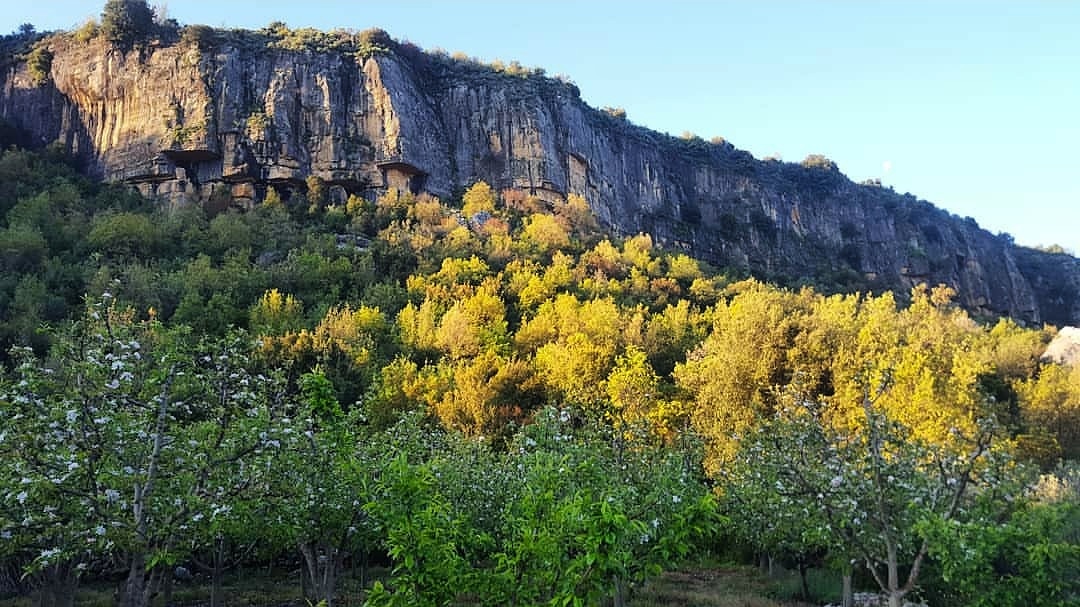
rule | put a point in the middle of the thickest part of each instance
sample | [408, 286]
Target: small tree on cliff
[125, 22]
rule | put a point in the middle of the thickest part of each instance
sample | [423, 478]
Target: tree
[125, 22]
[819, 161]
[479, 198]
[114, 440]
[276, 313]
[633, 388]
[318, 483]
[564, 517]
[1029, 558]
[544, 235]
[875, 486]
[39, 65]
[1050, 407]
[316, 193]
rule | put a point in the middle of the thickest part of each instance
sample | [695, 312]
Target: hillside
[199, 112]
[268, 336]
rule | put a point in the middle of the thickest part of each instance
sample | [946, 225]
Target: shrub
[615, 112]
[376, 37]
[819, 161]
[87, 31]
[39, 65]
[201, 36]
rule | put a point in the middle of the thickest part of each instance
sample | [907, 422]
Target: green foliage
[395, 402]
[800, 485]
[39, 65]
[1032, 558]
[201, 36]
[124, 235]
[127, 22]
[562, 518]
[140, 429]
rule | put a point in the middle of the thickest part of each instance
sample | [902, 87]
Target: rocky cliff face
[235, 112]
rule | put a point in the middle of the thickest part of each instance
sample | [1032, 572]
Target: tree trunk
[134, 593]
[217, 571]
[619, 599]
[896, 594]
[217, 596]
[322, 564]
[58, 585]
[802, 579]
[847, 598]
[305, 582]
[167, 585]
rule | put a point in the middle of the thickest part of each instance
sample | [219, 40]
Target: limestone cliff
[244, 110]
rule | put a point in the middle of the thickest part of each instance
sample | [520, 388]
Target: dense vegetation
[498, 400]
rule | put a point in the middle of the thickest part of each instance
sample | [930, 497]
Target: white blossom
[48, 553]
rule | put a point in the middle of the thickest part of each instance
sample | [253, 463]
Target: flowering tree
[868, 490]
[232, 436]
[318, 482]
[116, 447]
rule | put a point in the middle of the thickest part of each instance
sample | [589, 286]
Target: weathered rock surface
[1064, 349]
[181, 120]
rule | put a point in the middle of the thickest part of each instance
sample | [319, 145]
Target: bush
[615, 112]
[200, 36]
[39, 65]
[819, 161]
[87, 31]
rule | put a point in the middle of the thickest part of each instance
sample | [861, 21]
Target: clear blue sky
[972, 105]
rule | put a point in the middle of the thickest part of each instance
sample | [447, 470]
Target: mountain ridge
[211, 111]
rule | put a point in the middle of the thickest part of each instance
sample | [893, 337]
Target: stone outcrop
[1064, 349]
[238, 113]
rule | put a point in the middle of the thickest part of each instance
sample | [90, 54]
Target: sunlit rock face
[1064, 349]
[186, 121]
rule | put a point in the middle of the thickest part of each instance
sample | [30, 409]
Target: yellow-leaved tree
[479, 198]
[1050, 411]
[932, 356]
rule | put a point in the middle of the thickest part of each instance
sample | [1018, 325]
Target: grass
[711, 585]
[706, 588]
[705, 584]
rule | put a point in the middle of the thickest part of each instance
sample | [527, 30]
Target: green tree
[1032, 557]
[318, 481]
[126, 22]
[39, 65]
